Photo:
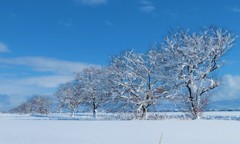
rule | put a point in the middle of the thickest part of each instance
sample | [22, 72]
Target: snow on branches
[181, 68]
[70, 95]
[137, 79]
[192, 59]
[96, 87]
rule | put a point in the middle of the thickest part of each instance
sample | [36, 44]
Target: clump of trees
[182, 68]
[35, 105]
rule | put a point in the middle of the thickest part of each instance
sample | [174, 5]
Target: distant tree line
[182, 68]
[35, 105]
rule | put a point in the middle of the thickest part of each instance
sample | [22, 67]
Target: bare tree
[137, 80]
[70, 95]
[61, 97]
[40, 104]
[96, 87]
[192, 59]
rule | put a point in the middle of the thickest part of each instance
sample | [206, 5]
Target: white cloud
[26, 76]
[3, 48]
[10, 87]
[147, 6]
[235, 9]
[92, 2]
[32, 85]
[18, 91]
[230, 88]
[51, 81]
[46, 64]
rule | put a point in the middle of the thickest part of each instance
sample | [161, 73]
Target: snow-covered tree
[22, 108]
[38, 104]
[96, 87]
[70, 95]
[192, 59]
[61, 97]
[137, 80]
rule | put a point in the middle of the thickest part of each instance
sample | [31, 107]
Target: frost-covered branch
[192, 58]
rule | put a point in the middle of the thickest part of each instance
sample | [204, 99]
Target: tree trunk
[94, 113]
[94, 110]
[198, 114]
[73, 112]
[144, 112]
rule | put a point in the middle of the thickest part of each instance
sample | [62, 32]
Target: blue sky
[42, 42]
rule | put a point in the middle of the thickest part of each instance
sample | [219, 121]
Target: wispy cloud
[3, 48]
[235, 9]
[32, 85]
[230, 88]
[46, 64]
[26, 76]
[58, 71]
[18, 90]
[147, 6]
[50, 81]
[92, 2]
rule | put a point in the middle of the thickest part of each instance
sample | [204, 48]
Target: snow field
[119, 132]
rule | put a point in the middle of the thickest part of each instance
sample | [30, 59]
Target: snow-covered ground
[233, 115]
[220, 113]
[24, 129]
